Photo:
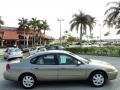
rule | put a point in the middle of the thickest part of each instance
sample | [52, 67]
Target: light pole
[60, 20]
[100, 34]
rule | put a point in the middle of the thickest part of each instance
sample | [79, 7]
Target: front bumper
[112, 75]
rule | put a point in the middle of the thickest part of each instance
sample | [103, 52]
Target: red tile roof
[10, 35]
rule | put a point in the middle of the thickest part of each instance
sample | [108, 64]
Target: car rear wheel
[98, 79]
[28, 81]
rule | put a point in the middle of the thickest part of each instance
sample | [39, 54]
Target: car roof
[12, 48]
[39, 47]
[56, 51]
[50, 52]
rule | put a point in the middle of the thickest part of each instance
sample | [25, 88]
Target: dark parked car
[23, 48]
[56, 47]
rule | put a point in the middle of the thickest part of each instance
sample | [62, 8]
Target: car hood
[100, 63]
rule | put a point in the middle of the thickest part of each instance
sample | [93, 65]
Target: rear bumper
[10, 76]
[14, 56]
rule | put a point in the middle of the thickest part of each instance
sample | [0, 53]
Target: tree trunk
[40, 41]
[27, 37]
[34, 38]
[81, 35]
[24, 37]
[44, 32]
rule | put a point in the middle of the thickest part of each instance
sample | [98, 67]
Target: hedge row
[103, 51]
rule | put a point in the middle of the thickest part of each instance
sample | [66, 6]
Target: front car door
[45, 67]
[70, 68]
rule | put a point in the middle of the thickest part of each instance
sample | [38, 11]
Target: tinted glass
[44, 60]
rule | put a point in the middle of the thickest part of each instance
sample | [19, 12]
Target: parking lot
[81, 85]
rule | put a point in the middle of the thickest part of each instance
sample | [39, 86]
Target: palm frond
[112, 9]
[118, 32]
[117, 3]
[72, 26]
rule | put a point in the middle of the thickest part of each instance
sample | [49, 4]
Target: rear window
[15, 50]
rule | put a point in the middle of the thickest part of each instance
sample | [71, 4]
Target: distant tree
[82, 21]
[1, 22]
[40, 27]
[91, 36]
[34, 26]
[23, 25]
[109, 25]
[66, 34]
[45, 26]
[71, 39]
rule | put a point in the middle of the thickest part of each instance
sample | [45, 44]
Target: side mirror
[79, 63]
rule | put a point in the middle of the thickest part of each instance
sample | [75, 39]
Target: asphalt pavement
[76, 85]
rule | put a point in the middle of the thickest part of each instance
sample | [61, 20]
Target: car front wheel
[98, 79]
[28, 81]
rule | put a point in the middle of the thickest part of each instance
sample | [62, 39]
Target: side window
[44, 60]
[49, 59]
[67, 60]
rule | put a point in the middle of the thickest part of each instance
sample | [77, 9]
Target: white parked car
[36, 50]
[12, 53]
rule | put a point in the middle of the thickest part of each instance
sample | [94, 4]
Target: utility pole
[60, 20]
[100, 34]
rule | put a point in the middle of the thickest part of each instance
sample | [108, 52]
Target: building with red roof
[10, 36]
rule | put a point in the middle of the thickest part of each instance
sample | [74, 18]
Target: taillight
[7, 66]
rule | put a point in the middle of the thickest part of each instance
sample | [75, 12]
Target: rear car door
[45, 67]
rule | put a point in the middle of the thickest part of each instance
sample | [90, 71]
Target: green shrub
[106, 51]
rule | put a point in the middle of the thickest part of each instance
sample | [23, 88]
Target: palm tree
[82, 21]
[45, 26]
[40, 27]
[118, 26]
[1, 22]
[109, 25]
[34, 25]
[113, 14]
[23, 25]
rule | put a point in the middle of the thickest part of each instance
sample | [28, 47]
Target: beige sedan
[59, 65]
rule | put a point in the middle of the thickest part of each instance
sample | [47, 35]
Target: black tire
[27, 81]
[97, 79]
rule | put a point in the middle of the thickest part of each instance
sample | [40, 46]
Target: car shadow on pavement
[52, 85]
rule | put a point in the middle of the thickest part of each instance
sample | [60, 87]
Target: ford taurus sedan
[59, 65]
